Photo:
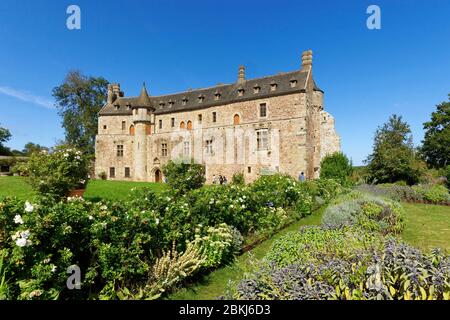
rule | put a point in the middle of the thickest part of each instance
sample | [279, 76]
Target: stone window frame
[119, 150]
[172, 122]
[262, 143]
[160, 124]
[164, 149]
[260, 104]
[214, 116]
[112, 172]
[127, 172]
[186, 148]
[199, 118]
[124, 125]
[209, 143]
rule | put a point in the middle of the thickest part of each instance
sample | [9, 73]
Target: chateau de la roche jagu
[253, 126]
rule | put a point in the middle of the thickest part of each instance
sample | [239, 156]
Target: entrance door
[157, 175]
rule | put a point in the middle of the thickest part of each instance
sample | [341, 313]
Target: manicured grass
[96, 189]
[215, 284]
[15, 186]
[427, 226]
[116, 190]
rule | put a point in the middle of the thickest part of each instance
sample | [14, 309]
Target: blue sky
[367, 75]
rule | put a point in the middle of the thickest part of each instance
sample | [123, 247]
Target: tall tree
[393, 157]
[436, 144]
[79, 99]
[31, 147]
[5, 135]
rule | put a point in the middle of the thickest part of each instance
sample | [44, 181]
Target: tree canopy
[393, 157]
[78, 100]
[5, 135]
[31, 148]
[336, 166]
[436, 144]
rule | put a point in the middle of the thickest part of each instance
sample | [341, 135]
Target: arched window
[236, 119]
[189, 125]
[148, 129]
[182, 125]
[132, 130]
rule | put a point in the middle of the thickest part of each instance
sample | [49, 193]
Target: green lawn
[215, 284]
[96, 189]
[427, 226]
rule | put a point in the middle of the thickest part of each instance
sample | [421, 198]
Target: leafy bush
[312, 243]
[336, 166]
[182, 177]
[433, 193]
[397, 271]
[55, 174]
[238, 178]
[368, 212]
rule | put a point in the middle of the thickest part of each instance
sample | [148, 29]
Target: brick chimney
[307, 60]
[241, 74]
[110, 94]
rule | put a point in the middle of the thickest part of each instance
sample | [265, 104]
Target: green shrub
[55, 174]
[238, 178]
[447, 176]
[311, 244]
[182, 177]
[394, 272]
[336, 166]
[366, 211]
[433, 193]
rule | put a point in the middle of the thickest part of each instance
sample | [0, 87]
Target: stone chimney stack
[307, 60]
[241, 74]
[110, 94]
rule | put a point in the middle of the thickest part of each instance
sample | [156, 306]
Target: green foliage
[182, 177]
[78, 100]
[311, 244]
[55, 174]
[31, 148]
[393, 157]
[5, 135]
[336, 166]
[447, 176]
[436, 144]
[433, 193]
[366, 211]
[238, 178]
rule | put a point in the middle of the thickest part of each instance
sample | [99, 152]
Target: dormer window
[273, 86]
[256, 88]
[170, 103]
[217, 95]
[201, 98]
[161, 104]
[116, 106]
[293, 83]
[184, 101]
[128, 106]
[241, 91]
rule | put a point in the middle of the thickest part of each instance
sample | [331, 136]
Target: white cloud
[27, 97]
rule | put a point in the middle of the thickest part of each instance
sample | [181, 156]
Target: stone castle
[254, 126]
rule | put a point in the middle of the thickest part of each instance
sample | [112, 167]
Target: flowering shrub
[432, 193]
[120, 247]
[55, 174]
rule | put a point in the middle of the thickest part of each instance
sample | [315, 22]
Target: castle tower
[143, 118]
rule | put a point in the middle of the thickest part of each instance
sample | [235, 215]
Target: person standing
[301, 177]
[214, 179]
[220, 179]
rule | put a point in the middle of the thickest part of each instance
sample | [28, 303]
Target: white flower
[54, 268]
[16, 235]
[91, 218]
[28, 207]
[18, 219]
[103, 207]
[21, 242]
[157, 221]
[78, 157]
[66, 155]
[25, 234]
[82, 181]
[46, 260]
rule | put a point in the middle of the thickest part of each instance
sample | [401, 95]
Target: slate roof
[203, 98]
